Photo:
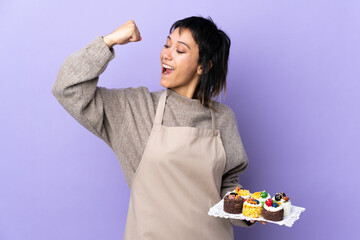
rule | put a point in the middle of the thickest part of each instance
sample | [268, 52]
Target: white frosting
[285, 203]
[287, 207]
[273, 209]
[264, 199]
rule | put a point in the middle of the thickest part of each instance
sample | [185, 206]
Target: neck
[186, 91]
[188, 94]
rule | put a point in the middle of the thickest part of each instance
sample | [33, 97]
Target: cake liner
[218, 211]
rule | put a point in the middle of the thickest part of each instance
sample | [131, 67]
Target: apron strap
[161, 107]
[212, 119]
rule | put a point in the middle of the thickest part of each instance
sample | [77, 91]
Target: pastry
[284, 201]
[256, 195]
[233, 203]
[252, 208]
[272, 210]
[263, 197]
[245, 194]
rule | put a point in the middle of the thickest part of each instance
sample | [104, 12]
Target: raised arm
[96, 108]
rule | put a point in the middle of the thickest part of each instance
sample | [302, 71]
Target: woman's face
[181, 53]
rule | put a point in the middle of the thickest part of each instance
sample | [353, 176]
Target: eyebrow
[179, 42]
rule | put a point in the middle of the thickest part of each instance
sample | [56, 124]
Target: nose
[167, 54]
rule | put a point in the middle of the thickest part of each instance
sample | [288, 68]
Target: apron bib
[177, 181]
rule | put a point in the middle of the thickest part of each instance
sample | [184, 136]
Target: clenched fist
[126, 33]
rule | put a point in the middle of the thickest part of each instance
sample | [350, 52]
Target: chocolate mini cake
[233, 203]
[272, 211]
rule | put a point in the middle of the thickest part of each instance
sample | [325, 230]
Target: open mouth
[166, 69]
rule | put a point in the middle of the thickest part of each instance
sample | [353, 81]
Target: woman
[180, 151]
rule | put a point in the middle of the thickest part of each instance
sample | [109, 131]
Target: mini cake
[263, 197]
[233, 203]
[256, 195]
[245, 194]
[284, 201]
[252, 208]
[272, 211]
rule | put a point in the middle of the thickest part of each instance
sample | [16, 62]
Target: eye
[166, 46]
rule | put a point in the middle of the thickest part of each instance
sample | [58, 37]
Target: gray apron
[177, 181]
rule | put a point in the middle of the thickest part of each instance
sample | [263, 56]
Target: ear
[199, 70]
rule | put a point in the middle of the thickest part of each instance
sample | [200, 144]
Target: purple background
[293, 83]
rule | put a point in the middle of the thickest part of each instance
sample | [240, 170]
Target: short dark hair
[214, 45]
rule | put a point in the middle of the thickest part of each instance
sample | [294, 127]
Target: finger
[138, 35]
[135, 37]
[252, 221]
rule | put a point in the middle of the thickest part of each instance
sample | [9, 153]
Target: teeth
[167, 66]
